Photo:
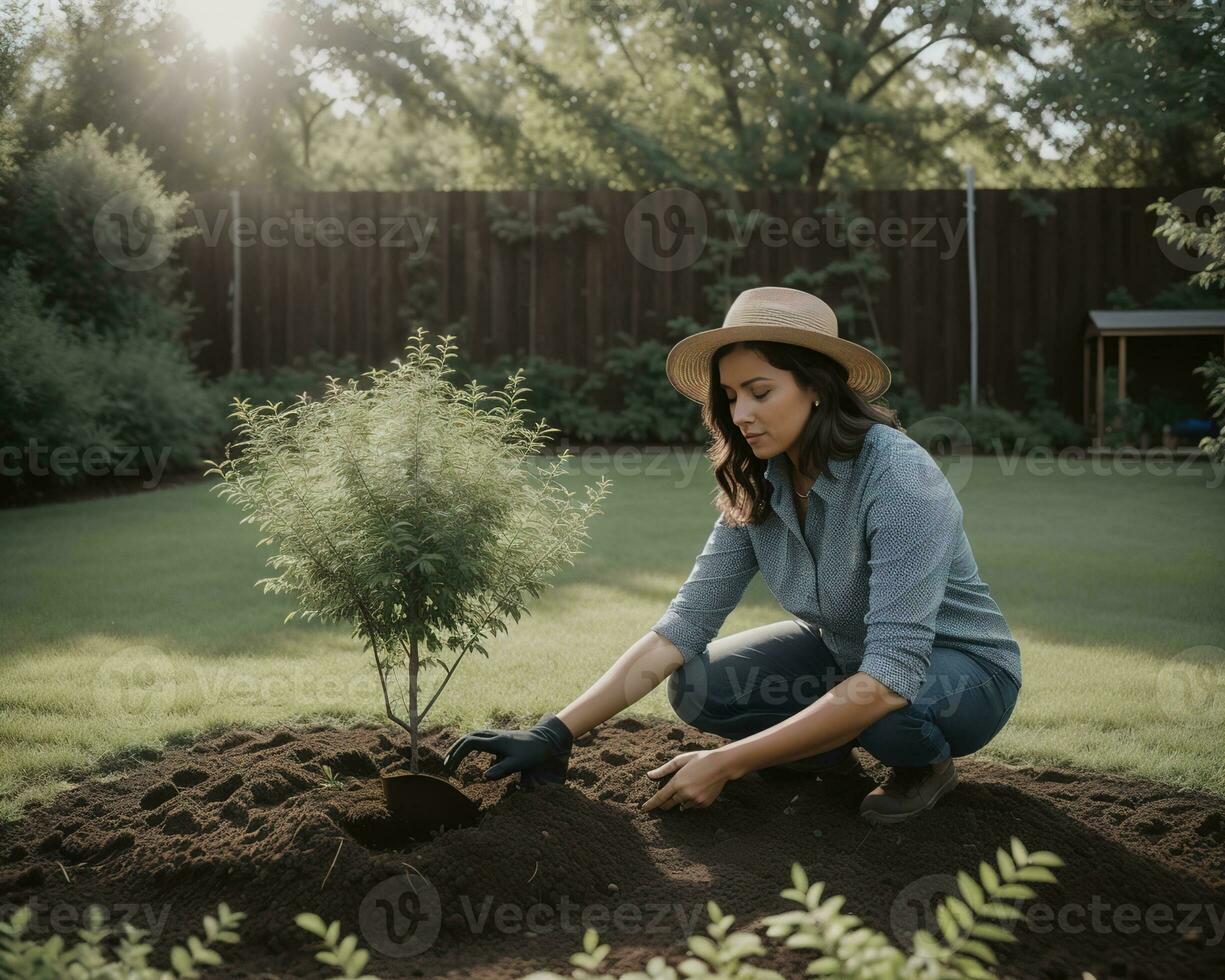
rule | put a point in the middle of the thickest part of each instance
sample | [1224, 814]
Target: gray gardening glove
[540, 754]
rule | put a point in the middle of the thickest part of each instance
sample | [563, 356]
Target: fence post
[235, 290]
[531, 289]
[973, 289]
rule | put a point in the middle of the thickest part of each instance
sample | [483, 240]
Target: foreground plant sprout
[849, 950]
[88, 959]
[410, 508]
[844, 947]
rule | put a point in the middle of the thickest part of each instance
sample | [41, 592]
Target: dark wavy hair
[835, 430]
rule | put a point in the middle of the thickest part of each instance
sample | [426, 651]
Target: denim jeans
[752, 680]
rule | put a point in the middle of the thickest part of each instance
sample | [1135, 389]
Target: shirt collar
[778, 473]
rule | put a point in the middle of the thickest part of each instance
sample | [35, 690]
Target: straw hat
[789, 316]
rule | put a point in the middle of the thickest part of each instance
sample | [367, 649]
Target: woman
[896, 645]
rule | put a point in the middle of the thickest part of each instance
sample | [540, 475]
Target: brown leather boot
[908, 790]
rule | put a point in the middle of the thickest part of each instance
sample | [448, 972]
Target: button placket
[814, 501]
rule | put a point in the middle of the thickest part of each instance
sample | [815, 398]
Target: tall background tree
[638, 94]
[17, 41]
[634, 93]
[1126, 94]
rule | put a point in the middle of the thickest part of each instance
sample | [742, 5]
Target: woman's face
[764, 400]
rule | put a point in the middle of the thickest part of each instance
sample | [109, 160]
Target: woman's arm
[834, 719]
[718, 579]
[635, 674]
[542, 753]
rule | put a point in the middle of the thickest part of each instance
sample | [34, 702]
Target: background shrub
[1054, 428]
[564, 395]
[306, 373]
[646, 406]
[992, 427]
[1213, 373]
[49, 391]
[155, 398]
[55, 217]
[93, 355]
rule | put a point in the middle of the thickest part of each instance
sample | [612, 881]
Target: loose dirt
[240, 816]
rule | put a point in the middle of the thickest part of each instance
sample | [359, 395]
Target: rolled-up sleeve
[716, 584]
[913, 525]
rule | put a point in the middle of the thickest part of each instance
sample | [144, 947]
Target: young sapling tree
[417, 511]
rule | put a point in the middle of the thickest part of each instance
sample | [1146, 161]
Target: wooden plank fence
[335, 270]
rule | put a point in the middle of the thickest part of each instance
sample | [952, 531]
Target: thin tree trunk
[817, 161]
[867, 301]
[412, 700]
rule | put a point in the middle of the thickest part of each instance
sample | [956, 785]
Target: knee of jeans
[689, 691]
[897, 726]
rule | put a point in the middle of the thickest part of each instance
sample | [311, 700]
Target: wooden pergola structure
[1136, 323]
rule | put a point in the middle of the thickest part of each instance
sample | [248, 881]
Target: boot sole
[888, 818]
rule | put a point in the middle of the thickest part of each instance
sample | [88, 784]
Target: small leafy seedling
[331, 779]
[344, 954]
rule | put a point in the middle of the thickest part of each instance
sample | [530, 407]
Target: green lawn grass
[129, 623]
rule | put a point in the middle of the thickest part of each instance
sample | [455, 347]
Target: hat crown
[779, 306]
[780, 315]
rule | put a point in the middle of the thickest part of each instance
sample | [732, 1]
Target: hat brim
[689, 361]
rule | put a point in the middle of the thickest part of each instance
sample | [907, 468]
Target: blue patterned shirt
[882, 567]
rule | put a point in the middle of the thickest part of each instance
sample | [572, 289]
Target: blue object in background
[1193, 428]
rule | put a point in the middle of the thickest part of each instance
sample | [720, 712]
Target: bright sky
[222, 23]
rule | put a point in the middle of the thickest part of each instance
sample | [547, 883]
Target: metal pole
[969, 169]
[235, 290]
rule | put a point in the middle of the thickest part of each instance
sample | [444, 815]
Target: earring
[815, 404]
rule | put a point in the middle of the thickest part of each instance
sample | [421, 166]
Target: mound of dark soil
[242, 817]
